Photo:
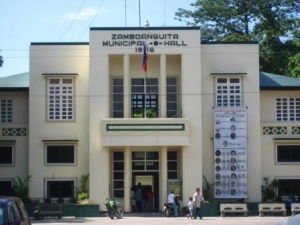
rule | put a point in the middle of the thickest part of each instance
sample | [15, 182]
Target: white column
[163, 87]
[164, 177]
[126, 79]
[127, 179]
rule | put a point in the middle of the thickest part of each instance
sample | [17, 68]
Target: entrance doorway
[148, 180]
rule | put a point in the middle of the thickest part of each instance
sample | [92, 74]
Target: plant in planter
[21, 188]
[269, 190]
[83, 191]
[151, 113]
[208, 189]
[138, 115]
[60, 200]
[47, 200]
[73, 200]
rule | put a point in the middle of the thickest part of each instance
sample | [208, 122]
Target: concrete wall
[270, 168]
[182, 61]
[20, 142]
[57, 59]
[232, 59]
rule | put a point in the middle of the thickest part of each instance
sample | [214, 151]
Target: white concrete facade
[99, 136]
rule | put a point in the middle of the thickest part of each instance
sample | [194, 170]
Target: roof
[17, 82]
[270, 81]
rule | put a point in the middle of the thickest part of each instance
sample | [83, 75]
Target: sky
[25, 21]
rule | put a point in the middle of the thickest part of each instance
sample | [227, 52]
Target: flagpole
[145, 110]
[125, 14]
[140, 12]
[145, 56]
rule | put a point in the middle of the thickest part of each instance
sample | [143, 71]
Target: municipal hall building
[155, 106]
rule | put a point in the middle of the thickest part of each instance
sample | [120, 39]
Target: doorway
[148, 180]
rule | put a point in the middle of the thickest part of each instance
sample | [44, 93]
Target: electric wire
[75, 17]
[92, 20]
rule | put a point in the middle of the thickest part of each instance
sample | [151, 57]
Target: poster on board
[176, 186]
[230, 153]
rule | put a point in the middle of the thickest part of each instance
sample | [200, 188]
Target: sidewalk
[146, 219]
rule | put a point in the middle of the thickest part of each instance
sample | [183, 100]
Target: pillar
[163, 87]
[126, 85]
[127, 179]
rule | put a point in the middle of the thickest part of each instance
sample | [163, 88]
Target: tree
[294, 64]
[1, 60]
[274, 24]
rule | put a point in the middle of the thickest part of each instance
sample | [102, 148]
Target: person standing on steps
[132, 200]
[139, 197]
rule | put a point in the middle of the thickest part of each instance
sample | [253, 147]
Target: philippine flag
[145, 56]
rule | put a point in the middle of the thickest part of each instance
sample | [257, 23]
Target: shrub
[60, 200]
[73, 200]
[47, 200]
[82, 196]
[21, 188]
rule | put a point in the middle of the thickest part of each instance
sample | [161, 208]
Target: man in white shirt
[171, 200]
[197, 199]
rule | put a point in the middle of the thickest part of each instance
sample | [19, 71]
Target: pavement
[153, 219]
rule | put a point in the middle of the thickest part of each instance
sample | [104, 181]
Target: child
[190, 208]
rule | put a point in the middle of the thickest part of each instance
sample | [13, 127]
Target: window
[6, 187]
[60, 188]
[118, 174]
[288, 153]
[118, 95]
[144, 97]
[172, 98]
[6, 155]
[145, 161]
[289, 187]
[60, 99]
[6, 110]
[172, 159]
[64, 154]
[288, 109]
[228, 93]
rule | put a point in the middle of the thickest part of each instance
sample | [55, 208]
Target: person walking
[197, 199]
[190, 207]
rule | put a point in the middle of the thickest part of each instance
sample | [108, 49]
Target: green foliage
[269, 189]
[84, 182]
[60, 200]
[83, 191]
[21, 188]
[294, 63]
[47, 200]
[207, 189]
[138, 115]
[1, 61]
[82, 196]
[150, 113]
[73, 200]
[274, 24]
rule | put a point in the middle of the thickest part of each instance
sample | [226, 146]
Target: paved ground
[154, 220]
